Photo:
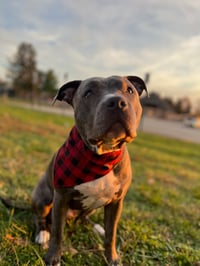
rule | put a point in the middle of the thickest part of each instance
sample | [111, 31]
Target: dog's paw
[42, 238]
[52, 259]
[97, 228]
[115, 263]
[57, 264]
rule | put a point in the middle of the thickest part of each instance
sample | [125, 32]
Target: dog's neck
[75, 163]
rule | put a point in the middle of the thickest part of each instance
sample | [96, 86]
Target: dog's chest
[98, 193]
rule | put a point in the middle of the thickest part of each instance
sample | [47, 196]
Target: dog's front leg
[52, 257]
[112, 214]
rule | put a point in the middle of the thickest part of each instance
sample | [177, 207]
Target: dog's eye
[87, 94]
[130, 90]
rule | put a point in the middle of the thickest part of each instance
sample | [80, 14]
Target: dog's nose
[116, 103]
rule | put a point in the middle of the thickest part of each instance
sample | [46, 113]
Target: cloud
[86, 38]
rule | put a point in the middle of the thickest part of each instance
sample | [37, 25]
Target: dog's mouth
[107, 145]
[112, 140]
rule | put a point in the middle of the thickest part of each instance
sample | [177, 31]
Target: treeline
[180, 106]
[29, 82]
[26, 80]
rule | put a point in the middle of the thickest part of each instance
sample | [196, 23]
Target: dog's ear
[67, 91]
[138, 84]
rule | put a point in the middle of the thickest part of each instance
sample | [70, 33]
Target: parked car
[192, 122]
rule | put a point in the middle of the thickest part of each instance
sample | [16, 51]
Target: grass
[160, 223]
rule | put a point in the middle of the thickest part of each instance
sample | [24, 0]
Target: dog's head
[107, 110]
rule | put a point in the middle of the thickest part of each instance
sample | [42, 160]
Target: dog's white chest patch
[99, 192]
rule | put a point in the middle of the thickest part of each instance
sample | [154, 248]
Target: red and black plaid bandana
[76, 164]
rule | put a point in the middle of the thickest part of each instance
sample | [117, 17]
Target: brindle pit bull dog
[92, 169]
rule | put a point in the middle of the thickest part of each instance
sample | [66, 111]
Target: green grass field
[160, 223]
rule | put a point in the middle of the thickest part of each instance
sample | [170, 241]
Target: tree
[49, 82]
[183, 106]
[169, 102]
[198, 107]
[23, 72]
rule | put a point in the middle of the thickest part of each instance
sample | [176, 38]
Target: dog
[92, 169]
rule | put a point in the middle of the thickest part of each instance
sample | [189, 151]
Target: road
[171, 129]
[163, 127]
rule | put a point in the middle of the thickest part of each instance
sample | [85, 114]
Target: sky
[86, 38]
